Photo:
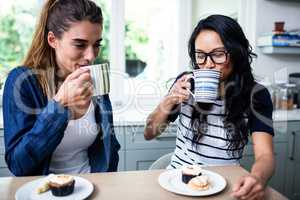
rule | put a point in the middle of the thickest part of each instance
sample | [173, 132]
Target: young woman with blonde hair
[52, 124]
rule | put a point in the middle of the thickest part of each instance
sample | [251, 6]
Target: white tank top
[71, 155]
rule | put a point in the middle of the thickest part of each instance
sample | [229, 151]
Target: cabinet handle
[292, 146]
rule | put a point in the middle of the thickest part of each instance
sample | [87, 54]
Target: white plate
[171, 181]
[83, 188]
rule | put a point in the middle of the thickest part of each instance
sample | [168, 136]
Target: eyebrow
[84, 41]
[216, 49]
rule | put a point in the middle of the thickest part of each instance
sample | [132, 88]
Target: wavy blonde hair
[56, 16]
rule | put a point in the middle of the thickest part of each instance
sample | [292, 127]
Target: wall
[263, 14]
[203, 8]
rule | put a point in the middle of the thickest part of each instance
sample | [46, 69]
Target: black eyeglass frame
[210, 56]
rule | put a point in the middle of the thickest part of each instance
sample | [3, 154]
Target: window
[17, 21]
[148, 47]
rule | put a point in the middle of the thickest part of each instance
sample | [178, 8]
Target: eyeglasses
[217, 57]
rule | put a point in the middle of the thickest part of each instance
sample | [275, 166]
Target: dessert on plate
[199, 183]
[189, 172]
[193, 177]
[44, 185]
[61, 185]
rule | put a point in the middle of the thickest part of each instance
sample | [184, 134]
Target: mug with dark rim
[206, 85]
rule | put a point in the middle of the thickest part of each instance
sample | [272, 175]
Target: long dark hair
[238, 85]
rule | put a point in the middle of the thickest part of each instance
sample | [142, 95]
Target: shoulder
[261, 109]
[21, 80]
[18, 73]
[19, 70]
[260, 95]
[260, 91]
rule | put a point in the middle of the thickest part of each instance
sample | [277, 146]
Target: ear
[52, 40]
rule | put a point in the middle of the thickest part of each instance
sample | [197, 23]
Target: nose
[209, 64]
[90, 54]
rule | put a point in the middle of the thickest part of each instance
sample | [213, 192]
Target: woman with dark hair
[216, 134]
[51, 122]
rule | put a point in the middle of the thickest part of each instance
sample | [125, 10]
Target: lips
[82, 65]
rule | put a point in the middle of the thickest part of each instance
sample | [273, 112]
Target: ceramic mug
[100, 78]
[206, 85]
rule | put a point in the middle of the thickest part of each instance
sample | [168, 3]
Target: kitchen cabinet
[139, 154]
[292, 181]
[142, 159]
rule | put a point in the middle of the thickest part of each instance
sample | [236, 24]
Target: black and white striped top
[212, 148]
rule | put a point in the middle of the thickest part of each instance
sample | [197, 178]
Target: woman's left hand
[249, 187]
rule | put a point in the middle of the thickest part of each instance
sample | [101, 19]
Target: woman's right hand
[76, 92]
[179, 92]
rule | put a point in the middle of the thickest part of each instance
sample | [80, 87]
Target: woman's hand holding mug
[179, 92]
[76, 92]
[206, 84]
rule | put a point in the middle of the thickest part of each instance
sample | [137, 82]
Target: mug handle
[193, 95]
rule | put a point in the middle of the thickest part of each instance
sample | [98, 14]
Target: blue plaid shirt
[34, 126]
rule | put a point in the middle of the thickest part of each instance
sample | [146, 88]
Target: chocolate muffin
[62, 185]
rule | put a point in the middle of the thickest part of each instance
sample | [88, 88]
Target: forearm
[157, 121]
[36, 143]
[264, 167]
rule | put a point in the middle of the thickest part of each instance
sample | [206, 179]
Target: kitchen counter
[138, 117]
[286, 115]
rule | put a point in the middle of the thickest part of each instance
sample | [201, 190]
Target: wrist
[169, 102]
[259, 178]
[58, 99]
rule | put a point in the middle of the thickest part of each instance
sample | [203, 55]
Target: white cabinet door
[142, 159]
